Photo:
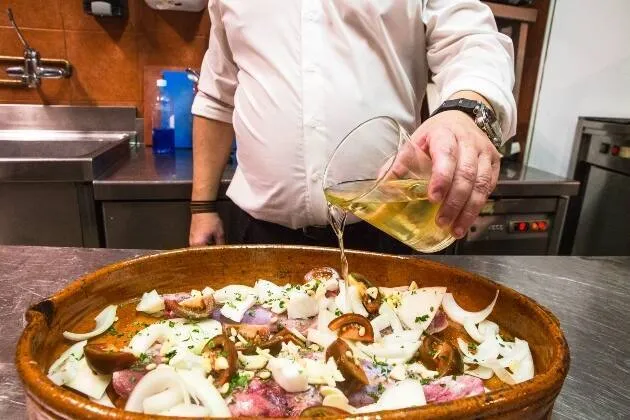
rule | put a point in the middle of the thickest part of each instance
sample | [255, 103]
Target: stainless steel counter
[590, 296]
[148, 177]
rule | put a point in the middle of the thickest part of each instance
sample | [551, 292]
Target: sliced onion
[150, 303]
[525, 370]
[235, 309]
[501, 372]
[183, 410]
[145, 338]
[302, 306]
[162, 401]
[320, 337]
[76, 351]
[459, 315]
[104, 320]
[154, 382]
[517, 352]
[341, 300]
[473, 332]
[104, 401]
[380, 322]
[403, 337]
[392, 351]
[487, 350]
[323, 319]
[481, 372]
[355, 301]
[288, 374]
[267, 290]
[418, 307]
[232, 292]
[487, 328]
[206, 393]
[87, 382]
[387, 310]
[403, 394]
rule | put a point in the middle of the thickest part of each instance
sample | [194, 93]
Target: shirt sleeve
[217, 82]
[465, 51]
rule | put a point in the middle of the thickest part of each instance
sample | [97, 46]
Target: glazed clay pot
[219, 266]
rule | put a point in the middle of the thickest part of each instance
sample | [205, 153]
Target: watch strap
[482, 115]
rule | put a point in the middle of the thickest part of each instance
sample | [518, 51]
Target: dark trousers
[360, 236]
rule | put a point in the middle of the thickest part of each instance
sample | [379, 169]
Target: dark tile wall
[108, 54]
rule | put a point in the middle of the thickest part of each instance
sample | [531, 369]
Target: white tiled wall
[587, 72]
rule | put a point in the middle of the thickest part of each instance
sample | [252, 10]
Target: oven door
[603, 227]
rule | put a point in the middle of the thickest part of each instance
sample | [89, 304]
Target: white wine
[399, 207]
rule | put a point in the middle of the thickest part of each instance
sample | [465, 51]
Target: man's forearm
[212, 141]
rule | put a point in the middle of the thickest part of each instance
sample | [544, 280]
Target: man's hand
[465, 167]
[206, 229]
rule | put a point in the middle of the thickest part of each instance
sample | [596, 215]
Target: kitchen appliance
[179, 5]
[516, 226]
[524, 215]
[105, 8]
[597, 219]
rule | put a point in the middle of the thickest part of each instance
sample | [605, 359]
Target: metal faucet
[192, 75]
[33, 69]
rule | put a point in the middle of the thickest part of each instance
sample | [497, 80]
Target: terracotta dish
[219, 266]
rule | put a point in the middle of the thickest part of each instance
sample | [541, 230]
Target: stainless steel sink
[48, 155]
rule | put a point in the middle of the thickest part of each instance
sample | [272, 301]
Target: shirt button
[316, 177]
[312, 16]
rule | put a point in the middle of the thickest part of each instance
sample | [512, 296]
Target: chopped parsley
[171, 354]
[472, 347]
[191, 346]
[223, 353]
[454, 377]
[425, 381]
[422, 318]
[377, 392]
[239, 298]
[111, 331]
[144, 358]
[171, 324]
[431, 308]
[499, 357]
[281, 304]
[195, 330]
[251, 313]
[238, 381]
[338, 312]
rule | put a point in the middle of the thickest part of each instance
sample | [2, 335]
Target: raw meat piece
[124, 381]
[439, 323]
[449, 389]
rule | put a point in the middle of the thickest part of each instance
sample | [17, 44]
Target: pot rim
[65, 402]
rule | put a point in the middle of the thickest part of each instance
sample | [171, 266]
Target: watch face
[486, 120]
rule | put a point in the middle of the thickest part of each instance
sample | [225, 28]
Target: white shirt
[295, 76]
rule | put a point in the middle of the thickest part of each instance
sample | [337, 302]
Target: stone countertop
[147, 177]
[590, 296]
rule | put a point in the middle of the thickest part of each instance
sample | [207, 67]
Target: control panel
[615, 150]
[531, 226]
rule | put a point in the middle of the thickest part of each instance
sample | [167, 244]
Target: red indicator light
[534, 226]
[614, 150]
[522, 227]
[542, 226]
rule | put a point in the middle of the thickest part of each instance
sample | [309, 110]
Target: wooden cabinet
[526, 26]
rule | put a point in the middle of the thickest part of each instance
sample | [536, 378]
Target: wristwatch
[480, 113]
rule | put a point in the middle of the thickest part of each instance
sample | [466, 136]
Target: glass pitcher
[377, 174]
